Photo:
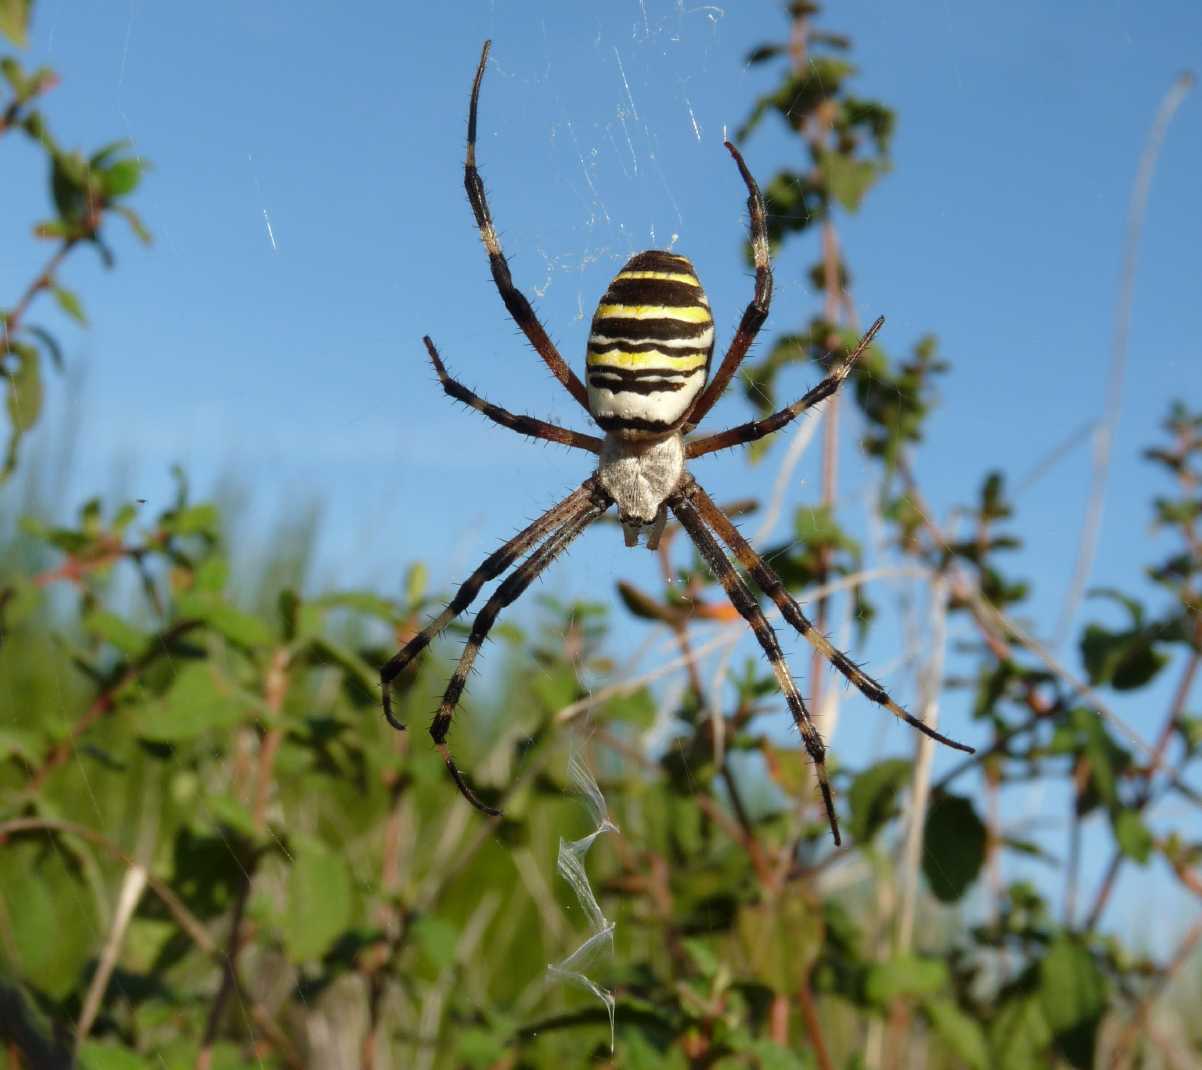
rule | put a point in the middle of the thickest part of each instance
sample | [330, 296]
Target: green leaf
[960, 1032]
[121, 178]
[637, 709]
[23, 400]
[49, 343]
[703, 956]
[781, 938]
[69, 302]
[847, 178]
[112, 629]
[1072, 994]
[14, 20]
[1133, 837]
[1019, 1034]
[100, 158]
[319, 900]
[202, 519]
[94, 1055]
[905, 975]
[416, 578]
[770, 1056]
[480, 1048]
[24, 388]
[243, 629]
[141, 232]
[1124, 660]
[50, 925]
[18, 600]
[196, 702]
[364, 602]
[873, 797]
[233, 814]
[437, 938]
[954, 846]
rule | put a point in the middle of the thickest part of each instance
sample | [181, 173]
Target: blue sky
[310, 226]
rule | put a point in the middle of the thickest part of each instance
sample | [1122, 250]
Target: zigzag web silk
[570, 864]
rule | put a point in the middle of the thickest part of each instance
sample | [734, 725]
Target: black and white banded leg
[523, 425]
[573, 506]
[756, 311]
[771, 585]
[512, 588]
[683, 506]
[519, 307]
[757, 429]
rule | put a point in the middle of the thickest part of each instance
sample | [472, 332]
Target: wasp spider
[649, 352]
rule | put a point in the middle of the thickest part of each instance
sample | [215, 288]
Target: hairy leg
[574, 505]
[772, 586]
[756, 312]
[743, 600]
[523, 425]
[519, 307]
[513, 587]
[749, 432]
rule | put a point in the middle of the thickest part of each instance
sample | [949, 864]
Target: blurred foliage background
[215, 853]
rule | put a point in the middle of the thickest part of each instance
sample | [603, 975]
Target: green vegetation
[215, 853]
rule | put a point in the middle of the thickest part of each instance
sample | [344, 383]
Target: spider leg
[756, 312]
[771, 585]
[523, 425]
[756, 429]
[519, 307]
[511, 589]
[743, 600]
[493, 565]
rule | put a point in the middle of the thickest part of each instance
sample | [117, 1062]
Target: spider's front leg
[523, 425]
[515, 301]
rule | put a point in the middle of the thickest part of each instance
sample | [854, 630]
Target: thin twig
[920, 785]
[1118, 358]
[726, 637]
[132, 887]
[229, 977]
[42, 281]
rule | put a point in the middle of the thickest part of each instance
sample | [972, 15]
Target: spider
[648, 358]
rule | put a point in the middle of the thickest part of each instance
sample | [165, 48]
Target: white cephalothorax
[640, 476]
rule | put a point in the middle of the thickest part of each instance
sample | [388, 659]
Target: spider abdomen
[649, 346]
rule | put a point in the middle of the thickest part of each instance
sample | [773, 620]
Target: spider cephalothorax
[649, 352]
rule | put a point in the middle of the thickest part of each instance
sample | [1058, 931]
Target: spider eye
[650, 344]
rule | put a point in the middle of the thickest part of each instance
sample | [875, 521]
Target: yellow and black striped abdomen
[650, 344]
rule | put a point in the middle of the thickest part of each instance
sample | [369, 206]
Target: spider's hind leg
[742, 599]
[493, 565]
[772, 586]
[509, 591]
